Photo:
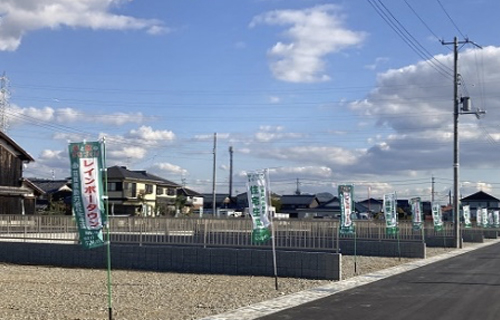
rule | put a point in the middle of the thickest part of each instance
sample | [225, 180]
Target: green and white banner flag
[258, 201]
[496, 219]
[479, 217]
[466, 211]
[87, 162]
[490, 219]
[484, 218]
[390, 213]
[437, 217]
[416, 211]
[346, 199]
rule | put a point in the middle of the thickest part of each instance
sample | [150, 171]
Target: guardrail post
[205, 227]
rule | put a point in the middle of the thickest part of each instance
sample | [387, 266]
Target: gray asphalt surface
[465, 287]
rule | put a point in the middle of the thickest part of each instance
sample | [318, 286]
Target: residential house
[324, 197]
[192, 201]
[403, 208]
[328, 209]
[480, 199]
[331, 209]
[373, 205]
[17, 195]
[240, 202]
[222, 200]
[56, 197]
[132, 192]
[299, 205]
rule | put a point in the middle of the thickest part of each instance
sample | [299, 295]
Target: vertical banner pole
[355, 253]
[346, 196]
[90, 202]
[273, 233]
[259, 205]
[108, 237]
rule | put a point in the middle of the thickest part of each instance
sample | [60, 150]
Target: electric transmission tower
[4, 102]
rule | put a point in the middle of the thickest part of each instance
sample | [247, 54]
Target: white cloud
[170, 169]
[18, 116]
[121, 118]
[269, 134]
[331, 156]
[310, 171]
[314, 33]
[148, 134]
[67, 115]
[50, 162]
[68, 137]
[21, 17]
[274, 99]
[29, 115]
[378, 61]
[126, 153]
[51, 154]
[210, 137]
[413, 106]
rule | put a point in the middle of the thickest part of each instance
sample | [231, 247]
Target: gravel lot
[36, 292]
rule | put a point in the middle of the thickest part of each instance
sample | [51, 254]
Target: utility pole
[4, 102]
[230, 172]
[214, 197]
[456, 113]
[432, 190]
[297, 192]
[369, 199]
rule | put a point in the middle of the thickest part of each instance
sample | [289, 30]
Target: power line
[409, 39]
[451, 20]
[421, 20]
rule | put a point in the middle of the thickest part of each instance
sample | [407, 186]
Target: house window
[133, 189]
[115, 186]
[171, 191]
[159, 190]
[149, 189]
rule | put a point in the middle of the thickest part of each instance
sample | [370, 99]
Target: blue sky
[321, 92]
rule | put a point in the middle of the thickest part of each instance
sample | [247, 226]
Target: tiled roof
[480, 196]
[119, 172]
[50, 186]
[190, 192]
[297, 199]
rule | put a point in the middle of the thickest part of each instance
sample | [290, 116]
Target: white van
[223, 213]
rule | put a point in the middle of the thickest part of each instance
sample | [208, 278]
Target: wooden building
[17, 195]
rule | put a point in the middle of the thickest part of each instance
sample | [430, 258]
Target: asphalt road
[465, 287]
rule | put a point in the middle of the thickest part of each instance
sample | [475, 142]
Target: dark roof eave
[26, 155]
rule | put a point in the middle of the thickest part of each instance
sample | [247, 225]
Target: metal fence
[230, 232]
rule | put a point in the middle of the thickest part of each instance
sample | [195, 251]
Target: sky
[320, 93]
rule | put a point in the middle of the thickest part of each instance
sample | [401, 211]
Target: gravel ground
[49, 293]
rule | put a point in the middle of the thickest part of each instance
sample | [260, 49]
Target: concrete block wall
[444, 242]
[490, 234]
[386, 248]
[298, 264]
[473, 235]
